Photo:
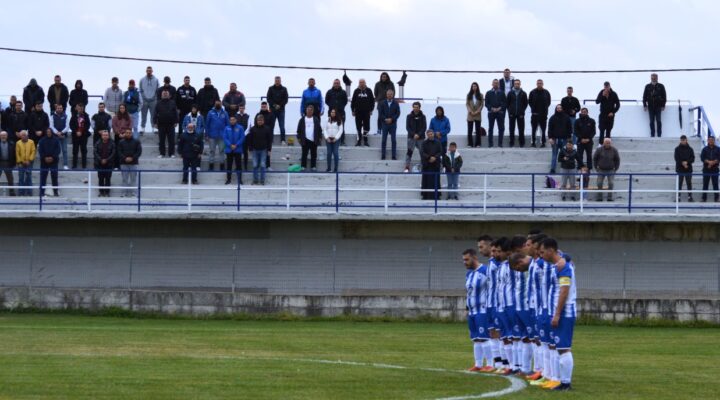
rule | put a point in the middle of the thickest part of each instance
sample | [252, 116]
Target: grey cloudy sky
[460, 34]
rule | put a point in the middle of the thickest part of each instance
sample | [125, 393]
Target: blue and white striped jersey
[564, 277]
[532, 286]
[522, 302]
[543, 285]
[506, 286]
[492, 274]
[476, 284]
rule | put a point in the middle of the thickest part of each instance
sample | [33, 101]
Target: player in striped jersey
[476, 284]
[524, 325]
[535, 272]
[562, 292]
[504, 309]
[487, 247]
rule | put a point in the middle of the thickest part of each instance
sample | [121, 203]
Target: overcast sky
[461, 34]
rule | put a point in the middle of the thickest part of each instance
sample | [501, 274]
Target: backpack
[550, 183]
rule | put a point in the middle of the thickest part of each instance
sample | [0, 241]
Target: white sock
[538, 357]
[547, 361]
[527, 353]
[495, 343]
[478, 352]
[556, 365]
[509, 354]
[566, 367]
[517, 354]
[487, 349]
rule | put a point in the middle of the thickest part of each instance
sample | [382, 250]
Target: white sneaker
[283, 143]
[406, 170]
[160, 156]
[172, 156]
[84, 180]
[65, 167]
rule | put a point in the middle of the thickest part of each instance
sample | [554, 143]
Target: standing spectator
[337, 98]
[517, 103]
[185, 98]
[333, 132]
[507, 82]
[710, 157]
[190, 148]
[5, 115]
[7, 160]
[32, 94]
[37, 123]
[129, 152]
[148, 91]
[607, 161]
[309, 132]
[259, 141]
[539, 101]
[381, 88]
[495, 102]
[166, 118]
[312, 97]
[243, 119]
[25, 157]
[217, 121]
[233, 100]
[389, 112]
[80, 127]
[49, 152]
[416, 125]
[113, 97]
[234, 136]
[559, 131]
[58, 94]
[99, 122]
[609, 106]
[452, 161]
[440, 124]
[194, 117]
[60, 126]
[474, 103]
[166, 86]
[569, 162]
[17, 121]
[571, 106]
[132, 101]
[105, 156]
[684, 159]
[654, 99]
[277, 97]
[362, 105]
[206, 97]
[269, 119]
[121, 122]
[431, 162]
[585, 130]
[78, 96]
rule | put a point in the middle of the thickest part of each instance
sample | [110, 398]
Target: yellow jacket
[24, 151]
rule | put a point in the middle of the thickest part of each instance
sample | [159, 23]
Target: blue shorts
[525, 326]
[506, 320]
[491, 318]
[477, 325]
[543, 323]
[562, 335]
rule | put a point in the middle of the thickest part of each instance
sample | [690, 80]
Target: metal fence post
[337, 192]
[89, 189]
[629, 194]
[532, 204]
[139, 192]
[287, 190]
[436, 181]
[677, 193]
[238, 193]
[582, 194]
[189, 192]
[484, 193]
[386, 193]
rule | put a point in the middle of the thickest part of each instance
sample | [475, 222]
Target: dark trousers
[586, 148]
[362, 124]
[655, 120]
[167, 134]
[389, 129]
[430, 184]
[499, 118]
[309, 147]
[79, 144]
[687, 177]
[7, 169]
[476, 125]
[538, 121]
[280, 118]
[707, 178]
[520, 121]
[51, 168]
[605, 125]
[231, 158]
[104, 177]
[190, 163]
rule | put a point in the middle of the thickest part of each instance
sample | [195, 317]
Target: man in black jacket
[58, 93]
[190, 148]
[495, 103]
[32, 94]
[206, 97]
[539, 101]
[105, 155]
[431, 156]
[336, 98]
[571, 106]
[684, 158]
[16, 121]
[129, 151]
[49, 154]
[37, 123]
[569, 160]
[185, 97]
[166, 86]
[654, 99]
[517, 103]
[309, 133]
[362, 106]
[7, 159]
[102, 121]
[585, 130]
[416, 125]
[277, 97]
[259, 141]
[166, 119]
[609, 106]
[80, 127]
[5, 114]
[559, 132]
[710, 157]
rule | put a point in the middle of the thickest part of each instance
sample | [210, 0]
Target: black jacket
[78, 96]
[363, 101]
[539, 101]
[381, 89]
[301, 129]
[37, 121]
[64, 96]
[431, 148]
[269, 118]
[608, 105]
[49, 147]
[110, 154]
[101, 122]
[654, 96]
[416, 124]
[337, 99]
[206, 98]
[170, 88]
[710, 153]
[570, 105]
[75, 124]
[166, 112]
[684, 153]
[568, 159]
[277, 95]
[11, 153]
[585, 128]
[260, 138]
[517, 103]
[32, 94]
[190, 145]
[129, 148]
[559, 126]
[185, 97]
[16, 122]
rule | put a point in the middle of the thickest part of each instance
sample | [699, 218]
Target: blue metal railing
[702, 117]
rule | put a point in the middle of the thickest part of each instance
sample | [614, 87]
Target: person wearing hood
[132, 101]
[609, 106]
[381, 87]
[585, 131]
[78, 96]
[234, 137]
[32, 94]
[312, 96]
[684, 159]
[517, 103]
[559, 131]
[206, 98]
[37, 123]
[416, 125]
[362, 105]
[452, 161]
[216, 122]
[58, 93]
[148, 93]
[80, 128]
[259, 141]
[333, 132]
[440, 124]
[277, 97]
[105, 155]
[431, 162]
[166, 86]
[190, 148]
[336, 99]
[474, 102]
[185, 99]
[166, 119]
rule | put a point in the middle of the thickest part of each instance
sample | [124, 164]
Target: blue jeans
[572, 123]
[655, 119]
[63, 149]
[499, 118]
[389, 129]
[452, 184]
[559, 144]
[280, 118]
[135, 117]
[259, 157]
[333, 150]
[25, 179]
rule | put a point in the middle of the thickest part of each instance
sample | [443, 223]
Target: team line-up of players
[521, 308]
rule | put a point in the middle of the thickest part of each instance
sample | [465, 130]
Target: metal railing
[706, 130]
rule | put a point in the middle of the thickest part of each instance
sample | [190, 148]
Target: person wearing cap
[148, 95]
[78, 96]
[32, 93]
[609, 106]
[113, 97]
[132, 100]
[206, 97]
[166, 86]
[185, 98]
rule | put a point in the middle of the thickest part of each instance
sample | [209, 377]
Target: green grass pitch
[81, 357]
